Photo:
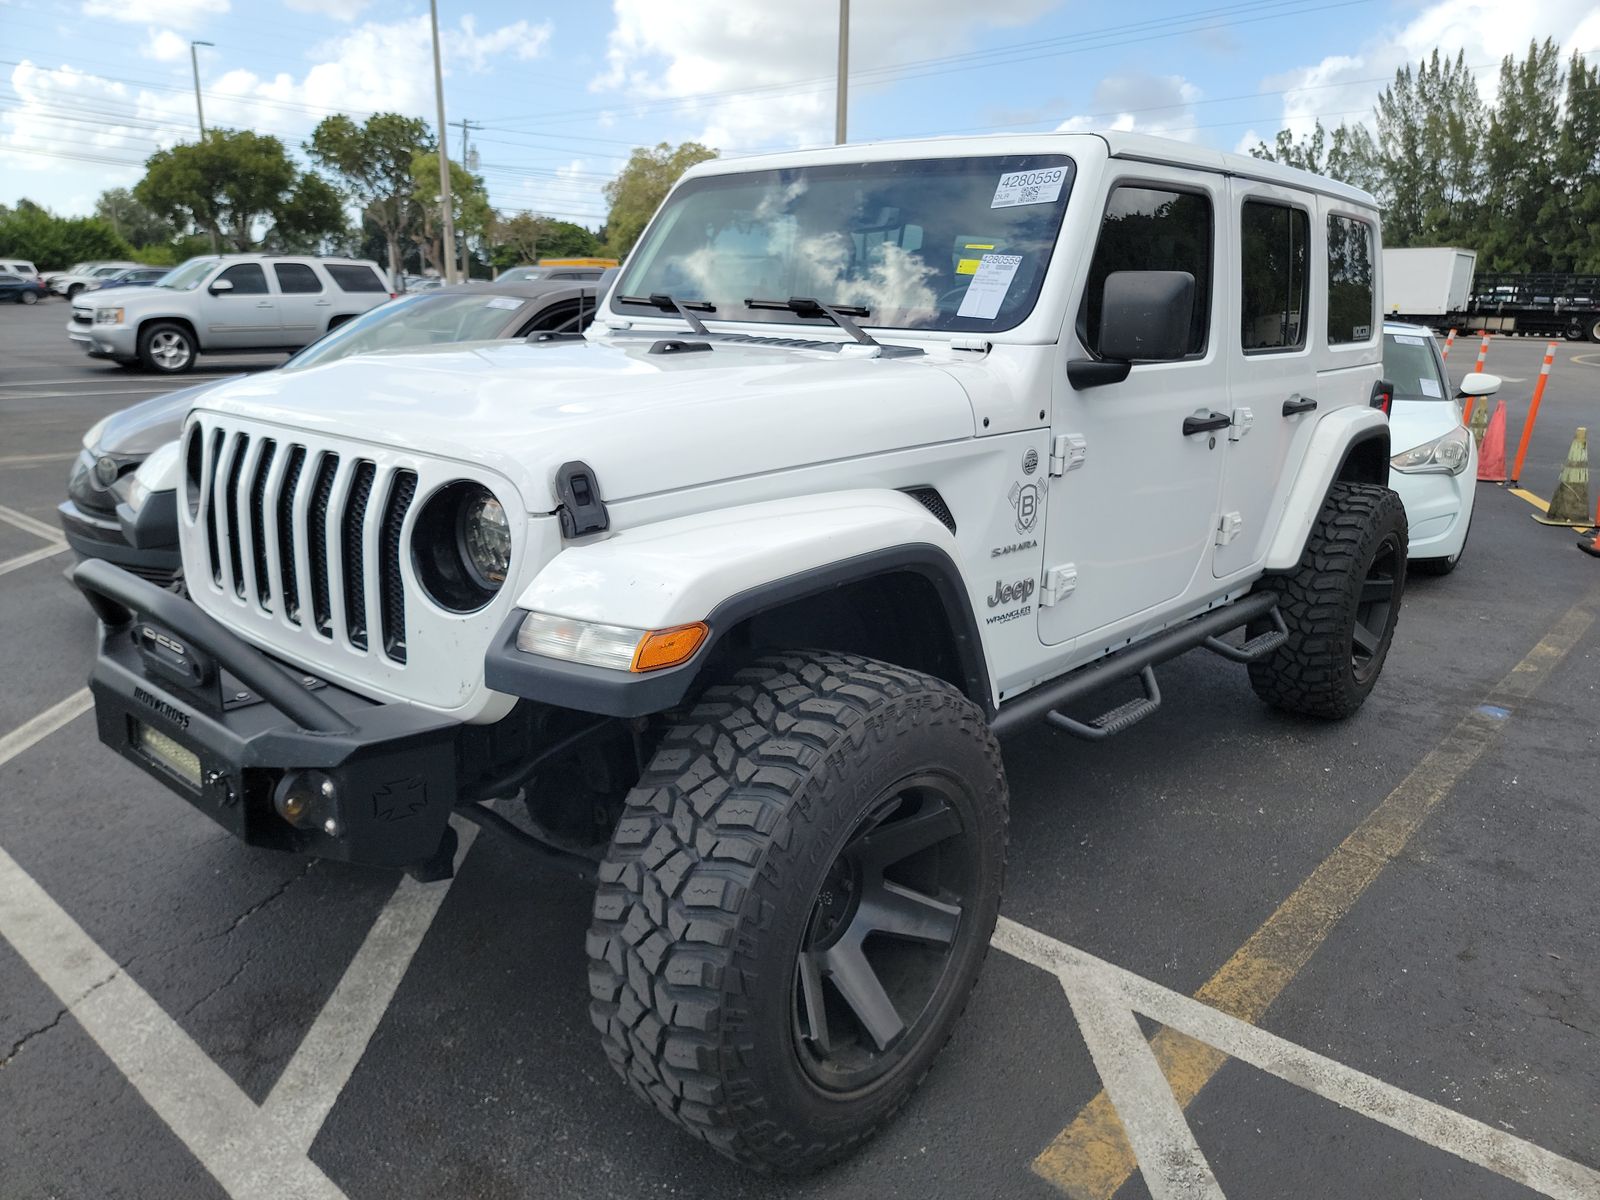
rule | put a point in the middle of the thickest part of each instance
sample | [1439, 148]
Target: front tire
[27, 297]
[166, 349]
[796, 904]
[1340, 605]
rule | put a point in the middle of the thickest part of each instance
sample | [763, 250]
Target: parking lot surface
[1397, 912]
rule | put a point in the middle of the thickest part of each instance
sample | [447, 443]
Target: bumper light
[615, 647]
[1446, 455]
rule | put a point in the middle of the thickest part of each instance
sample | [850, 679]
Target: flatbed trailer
[1531, 304]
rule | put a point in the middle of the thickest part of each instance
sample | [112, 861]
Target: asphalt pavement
[1451, 957]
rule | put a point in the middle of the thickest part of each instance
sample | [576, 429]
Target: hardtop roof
[1135, 146]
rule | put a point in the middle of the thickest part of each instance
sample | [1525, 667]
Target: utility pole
[841, 104]
[200, 111]
[466, 163]
[447, 255]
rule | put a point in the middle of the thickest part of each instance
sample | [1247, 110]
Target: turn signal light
[668, 647]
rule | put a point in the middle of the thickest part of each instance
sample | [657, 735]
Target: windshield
[1411, 365]
[944, 244]
[188, 276]
[414, 320]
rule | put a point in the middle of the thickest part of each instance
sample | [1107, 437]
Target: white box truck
[1427, 281]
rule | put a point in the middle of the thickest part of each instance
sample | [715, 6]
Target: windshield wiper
[671, 304]
[839, 314]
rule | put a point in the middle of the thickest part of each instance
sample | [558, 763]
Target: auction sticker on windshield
[1028, 187]
[990, 282]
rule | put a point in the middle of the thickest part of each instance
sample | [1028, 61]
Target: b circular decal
[1030, 461]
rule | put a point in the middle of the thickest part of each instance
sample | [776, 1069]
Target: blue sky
[89, 88]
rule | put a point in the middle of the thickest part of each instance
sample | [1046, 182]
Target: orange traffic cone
[1492, 449]
[1570, 504]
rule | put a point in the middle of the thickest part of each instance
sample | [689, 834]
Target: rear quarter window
[1350, 279]
[354, 278]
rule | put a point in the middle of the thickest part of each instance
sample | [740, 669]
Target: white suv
[874, 454]
[221, 304]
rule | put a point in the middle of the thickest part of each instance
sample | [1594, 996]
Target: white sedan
[1435, 467]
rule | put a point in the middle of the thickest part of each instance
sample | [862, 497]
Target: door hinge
[1228, 527]
[1059, 583]
[1067, 452]
[1243, 420]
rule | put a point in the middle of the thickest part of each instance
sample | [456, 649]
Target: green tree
[636, 193]
[525, 237]
[229, 184]
[470, 211]
[32, 232]
[132, 220]
[1577, 212]
[1519, 155]
[311, 214]
[1347, 154]
[1430, 134]
[372, 163]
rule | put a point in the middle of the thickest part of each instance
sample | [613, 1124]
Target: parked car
[516, 273]
[84, 275]
[875, 454]
[226, 304]
[22, 267]
[121, 503]
[1436, 473]
[21, 289]
[131, 277]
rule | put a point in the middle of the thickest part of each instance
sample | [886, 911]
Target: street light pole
[447, 249]
[840, 102]
[200, 111]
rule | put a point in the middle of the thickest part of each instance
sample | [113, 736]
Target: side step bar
[1205, 630]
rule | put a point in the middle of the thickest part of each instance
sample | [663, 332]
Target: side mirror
[1477, 383]
[220, 286]
[1145, 316]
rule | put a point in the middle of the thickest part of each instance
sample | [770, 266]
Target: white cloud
[338, 10]
[1138, 102]
[185, 14]
[661, 51]
[1344, 87]
[163, 45]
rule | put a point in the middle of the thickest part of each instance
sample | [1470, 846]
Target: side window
[248, 279]
[353, 278]
[1350, 297]
[296, 277]
[1272, 260]
[1152, 229]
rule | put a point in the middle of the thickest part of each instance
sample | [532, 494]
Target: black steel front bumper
[169, 681]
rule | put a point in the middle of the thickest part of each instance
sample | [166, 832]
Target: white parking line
[1082, 974]
[254, 1153]
[317, 1074]
[161, 389]
[31, 557]
[119, 377]
[28, 460]
[29, 524]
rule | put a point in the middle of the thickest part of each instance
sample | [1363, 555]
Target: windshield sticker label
[966, 266]
[1028, 187]
[1430, 387]
[1405, 339]
[503, 302]
[990, 282]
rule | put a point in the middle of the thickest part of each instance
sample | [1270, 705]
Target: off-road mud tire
[1314, 673]
[709, 882]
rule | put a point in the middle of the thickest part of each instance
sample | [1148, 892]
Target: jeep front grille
[287, 523]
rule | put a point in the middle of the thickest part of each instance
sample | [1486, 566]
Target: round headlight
[106, 470]
[461, 546]
[486, 538]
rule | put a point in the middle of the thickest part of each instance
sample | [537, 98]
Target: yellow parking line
[1091, 1158]
[1542, 505]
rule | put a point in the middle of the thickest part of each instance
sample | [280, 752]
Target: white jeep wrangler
[875, 453]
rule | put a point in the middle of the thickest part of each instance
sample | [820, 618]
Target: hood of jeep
[645, 422]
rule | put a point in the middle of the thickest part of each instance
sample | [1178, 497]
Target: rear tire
[27, 297]
[1340, 605]
[732, 980]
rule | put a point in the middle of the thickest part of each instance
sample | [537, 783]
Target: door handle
[323, 303]
[263, 303]
[1298, 404]
[1206, 424]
